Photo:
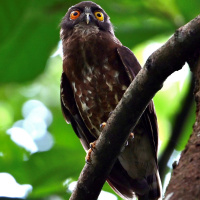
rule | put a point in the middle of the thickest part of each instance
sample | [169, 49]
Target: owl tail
[148, 188]
[155, 188]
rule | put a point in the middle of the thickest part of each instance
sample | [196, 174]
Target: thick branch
[169, 58]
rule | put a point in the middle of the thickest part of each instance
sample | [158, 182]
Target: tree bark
[169, 58]
[185, 181]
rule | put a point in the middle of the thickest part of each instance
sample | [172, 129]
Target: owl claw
[88, 155]
[131, 136]
[102, 126]
[92, 145]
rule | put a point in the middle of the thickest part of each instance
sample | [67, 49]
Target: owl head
[88, 15]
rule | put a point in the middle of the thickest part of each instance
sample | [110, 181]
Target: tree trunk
[185, 181]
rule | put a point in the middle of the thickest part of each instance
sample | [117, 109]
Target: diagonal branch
[163, 62]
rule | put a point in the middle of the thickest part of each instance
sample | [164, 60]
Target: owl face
[86, 14]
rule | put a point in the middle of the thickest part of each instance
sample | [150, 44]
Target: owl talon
[92, 145]
[131, 136]
[102, 126]
[88, 155]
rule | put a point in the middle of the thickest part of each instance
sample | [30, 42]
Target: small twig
[169, 58]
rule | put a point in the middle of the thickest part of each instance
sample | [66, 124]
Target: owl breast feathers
[97, 69]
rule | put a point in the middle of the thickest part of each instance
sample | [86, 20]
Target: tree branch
[169, 58]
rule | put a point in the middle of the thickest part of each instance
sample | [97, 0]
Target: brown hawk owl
[97, 69]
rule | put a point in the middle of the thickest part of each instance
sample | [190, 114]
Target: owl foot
[131, 136]
[102, 126]
[88, 155]
[92, 145]
[130, 139]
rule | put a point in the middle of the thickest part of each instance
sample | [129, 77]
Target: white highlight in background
[178, 76]
[31, 132]
[8, 184]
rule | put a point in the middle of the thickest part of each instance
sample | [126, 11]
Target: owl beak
[87, 18]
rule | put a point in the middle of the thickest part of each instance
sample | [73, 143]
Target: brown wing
[149, 118]
[118, 179]
[71, 113]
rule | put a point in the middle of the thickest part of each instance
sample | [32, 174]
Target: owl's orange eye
[75, 14]
[99, 15]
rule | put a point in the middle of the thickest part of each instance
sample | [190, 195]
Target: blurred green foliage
[29, 36]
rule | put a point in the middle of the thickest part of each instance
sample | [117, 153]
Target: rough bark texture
[185, 181]
[169, 58]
